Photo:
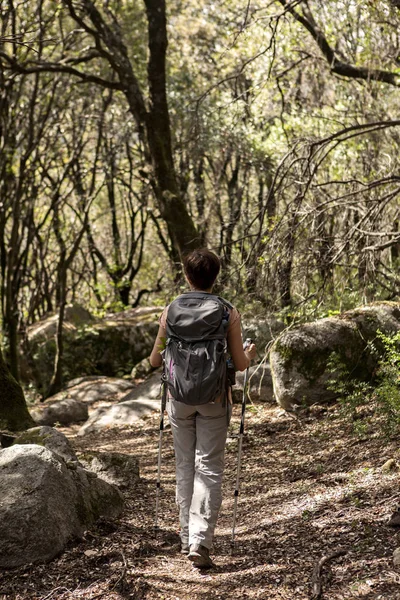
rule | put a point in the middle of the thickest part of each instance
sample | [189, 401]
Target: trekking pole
[241, 431]
[163, 404]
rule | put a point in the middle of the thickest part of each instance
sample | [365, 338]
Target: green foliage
[245, 89]
[381, 395]
[163, 344]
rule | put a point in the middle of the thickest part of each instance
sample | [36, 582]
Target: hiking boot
[185, 548]
[200, 557]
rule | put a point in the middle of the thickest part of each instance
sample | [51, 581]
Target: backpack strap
[225, 302]
[203, 295]
[197, 296]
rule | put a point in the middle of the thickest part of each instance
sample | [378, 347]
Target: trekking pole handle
[247, 343]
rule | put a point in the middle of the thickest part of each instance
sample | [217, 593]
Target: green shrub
[381, 395]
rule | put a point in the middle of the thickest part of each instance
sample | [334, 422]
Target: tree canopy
[131, 133]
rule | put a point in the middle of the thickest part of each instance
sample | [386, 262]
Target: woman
[199, 431]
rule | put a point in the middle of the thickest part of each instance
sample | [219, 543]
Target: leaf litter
[312, 519]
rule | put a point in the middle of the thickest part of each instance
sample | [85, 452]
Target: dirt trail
[309, 488]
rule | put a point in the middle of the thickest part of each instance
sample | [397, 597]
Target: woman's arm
[159, 345]
[241, 358]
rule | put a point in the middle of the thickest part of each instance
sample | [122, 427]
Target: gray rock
[94, 387]
[299, 358]
[134, 313]
[44, 504]
[49, 438]
[260, 384]
[142, 369]
[64, 412]
[108, 347]
[142, 400]
[75, 316]
[114, 467]
[262, 331]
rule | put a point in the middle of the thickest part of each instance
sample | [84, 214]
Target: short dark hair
[201, 268]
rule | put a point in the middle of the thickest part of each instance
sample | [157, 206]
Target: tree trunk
[284, 283]
[56, 380]
[171, 204]
[11, 328]
[14, 415]
[153, 124]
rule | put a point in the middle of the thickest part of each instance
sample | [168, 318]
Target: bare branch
[46, 67]
[336, 65]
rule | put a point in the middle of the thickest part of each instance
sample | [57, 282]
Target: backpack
[195, 354]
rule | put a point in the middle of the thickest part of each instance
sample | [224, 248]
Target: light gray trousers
[199, 434]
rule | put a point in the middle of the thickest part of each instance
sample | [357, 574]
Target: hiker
[199, 430]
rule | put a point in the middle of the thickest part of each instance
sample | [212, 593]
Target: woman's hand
[251, 352]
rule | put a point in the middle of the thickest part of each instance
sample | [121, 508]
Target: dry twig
[57, 589]
[121, 578]
[316, 576]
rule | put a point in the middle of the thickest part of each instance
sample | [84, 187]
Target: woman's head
[201, 268]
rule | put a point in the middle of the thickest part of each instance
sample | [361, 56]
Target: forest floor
[310, 488]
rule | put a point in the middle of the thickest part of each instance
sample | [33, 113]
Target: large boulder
[300, 357]
[260, 384]
[114, 467]
[46, 502]
[75, 316]
[49, 438]
[262, 330]
[93, 389]
[110, 346]
[65, 412]
[71, 405]
[141, 401]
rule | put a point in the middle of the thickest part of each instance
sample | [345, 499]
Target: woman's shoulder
[163, 317]
[234, 315]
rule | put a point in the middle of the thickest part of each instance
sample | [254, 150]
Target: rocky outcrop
[260, 384]
[71, 405]
[47, 501]
[261, 330]
[142, 400]
[75, 316]
[114, 467]
[93, 389]
[142, 369]
[110, 346]
[299, 358]
[49, 438]
[64, 412]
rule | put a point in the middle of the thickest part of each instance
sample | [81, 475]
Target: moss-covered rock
[114, 467]
[111, 346]
[49, 438]
[142, 369]
[300, 356]
[261, 329]
[64, 412]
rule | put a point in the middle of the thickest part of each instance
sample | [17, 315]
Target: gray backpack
[195, 354]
